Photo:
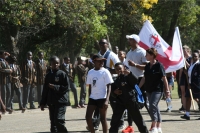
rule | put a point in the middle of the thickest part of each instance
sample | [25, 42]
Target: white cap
[133, 36]
[83, 58]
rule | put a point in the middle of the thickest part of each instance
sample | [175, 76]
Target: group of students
[112, 78]
[138, 67]
[23, 79]
[14, 77]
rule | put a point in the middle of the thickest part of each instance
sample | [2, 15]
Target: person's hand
[6, 54]
[131, 63]
[42, 107]
[167, 94]
[51, 86]
[189, 86]
[118, 91]
[105, 104]
[11, 70]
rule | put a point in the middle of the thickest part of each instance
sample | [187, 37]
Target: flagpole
[185, 68]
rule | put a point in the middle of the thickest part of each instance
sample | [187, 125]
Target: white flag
[171, 59]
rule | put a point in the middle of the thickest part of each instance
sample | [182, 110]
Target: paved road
[38, 121]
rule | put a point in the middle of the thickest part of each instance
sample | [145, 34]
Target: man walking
[28, 79]
[4, 73]
[41, 68]
[82, 72]
[68, 68]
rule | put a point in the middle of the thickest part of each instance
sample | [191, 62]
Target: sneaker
[185, 117]
[95, 128]
[122, 127]
[182, 111]
[168, 110]
[129, 129]
[159, 130]
[154, 130]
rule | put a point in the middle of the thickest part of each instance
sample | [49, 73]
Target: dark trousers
[6, 93]
[28, 95]
[82, 93]
[19, 96]
[57, 118]
[134, 113]
[39, 93]
[96, 116]
[74, 90]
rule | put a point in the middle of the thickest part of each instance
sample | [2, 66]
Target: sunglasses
[100, 43]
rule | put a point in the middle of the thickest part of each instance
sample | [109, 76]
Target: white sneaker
[159, 130]
[154, 130]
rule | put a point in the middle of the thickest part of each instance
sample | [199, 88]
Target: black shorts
[97, 102]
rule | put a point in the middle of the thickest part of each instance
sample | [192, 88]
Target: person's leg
[96, 118]
[89, 111]
[116, 117]
[113, 104]
[154, 99]
[8, 94]
[130, 120]
[74, 90]
[10, 102]
[103, 113]
[32, 97]
[26, 92]
[18, 92]
[136, 116]
[53, 127]
[183, 99]
[39, 93]
[3, 93]
[59, 118]
[82, 94]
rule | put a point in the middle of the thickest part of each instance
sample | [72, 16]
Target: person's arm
[139, 66]
[62, 88]
[108, 95]
[142, 81]
[167, 91]
[2, 70]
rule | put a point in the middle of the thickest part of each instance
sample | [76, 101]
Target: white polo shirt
[138, 57]
[98, 79]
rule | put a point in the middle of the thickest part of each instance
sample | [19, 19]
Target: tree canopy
[73, 27]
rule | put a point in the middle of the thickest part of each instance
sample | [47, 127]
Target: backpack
[139, 97]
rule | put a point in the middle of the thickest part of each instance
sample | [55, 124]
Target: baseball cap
[133, 36]
[97, 57]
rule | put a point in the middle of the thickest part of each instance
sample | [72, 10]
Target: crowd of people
[111, 77]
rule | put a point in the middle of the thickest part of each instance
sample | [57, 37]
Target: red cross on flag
[171, 57]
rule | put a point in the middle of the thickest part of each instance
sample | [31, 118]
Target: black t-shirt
[153, 77]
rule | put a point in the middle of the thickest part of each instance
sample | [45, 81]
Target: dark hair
[2, 52]
[40, 52]
[123, 52]
[196, 51]
[66, 58]
[152, 51]
[119, 63]
[53, 58]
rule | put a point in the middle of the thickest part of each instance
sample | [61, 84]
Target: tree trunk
[12, 36]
